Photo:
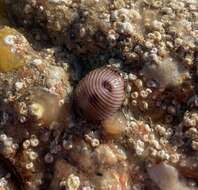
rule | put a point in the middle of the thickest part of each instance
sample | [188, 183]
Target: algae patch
[11, 56]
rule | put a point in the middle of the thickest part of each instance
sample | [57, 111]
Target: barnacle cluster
[98, 94]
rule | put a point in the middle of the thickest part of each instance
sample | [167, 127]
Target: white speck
[163, 155]
[132, 76]
[56, 1]
[9, 39]
[139, 147]
[55, 76]
[3, 137]
[3, 182]
[125, 28]
[18, 86]
[36, 62]
[41, 8]
[129, 88]
[13, 50]
[87, 188]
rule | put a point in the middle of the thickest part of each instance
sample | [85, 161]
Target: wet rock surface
[48, 46]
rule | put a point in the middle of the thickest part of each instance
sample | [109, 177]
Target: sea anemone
[167, 73]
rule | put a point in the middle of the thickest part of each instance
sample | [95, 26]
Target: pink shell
[100, 93]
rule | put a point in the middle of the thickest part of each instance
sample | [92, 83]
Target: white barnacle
[36, 62]
[3, 182]
[73, 182]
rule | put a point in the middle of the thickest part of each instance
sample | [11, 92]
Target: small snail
[100, 94]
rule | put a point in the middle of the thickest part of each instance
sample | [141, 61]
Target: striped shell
[100, 94]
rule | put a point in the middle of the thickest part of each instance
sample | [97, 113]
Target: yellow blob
[37, 110]
[44, 106]
[10, 57]
[115, 125]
